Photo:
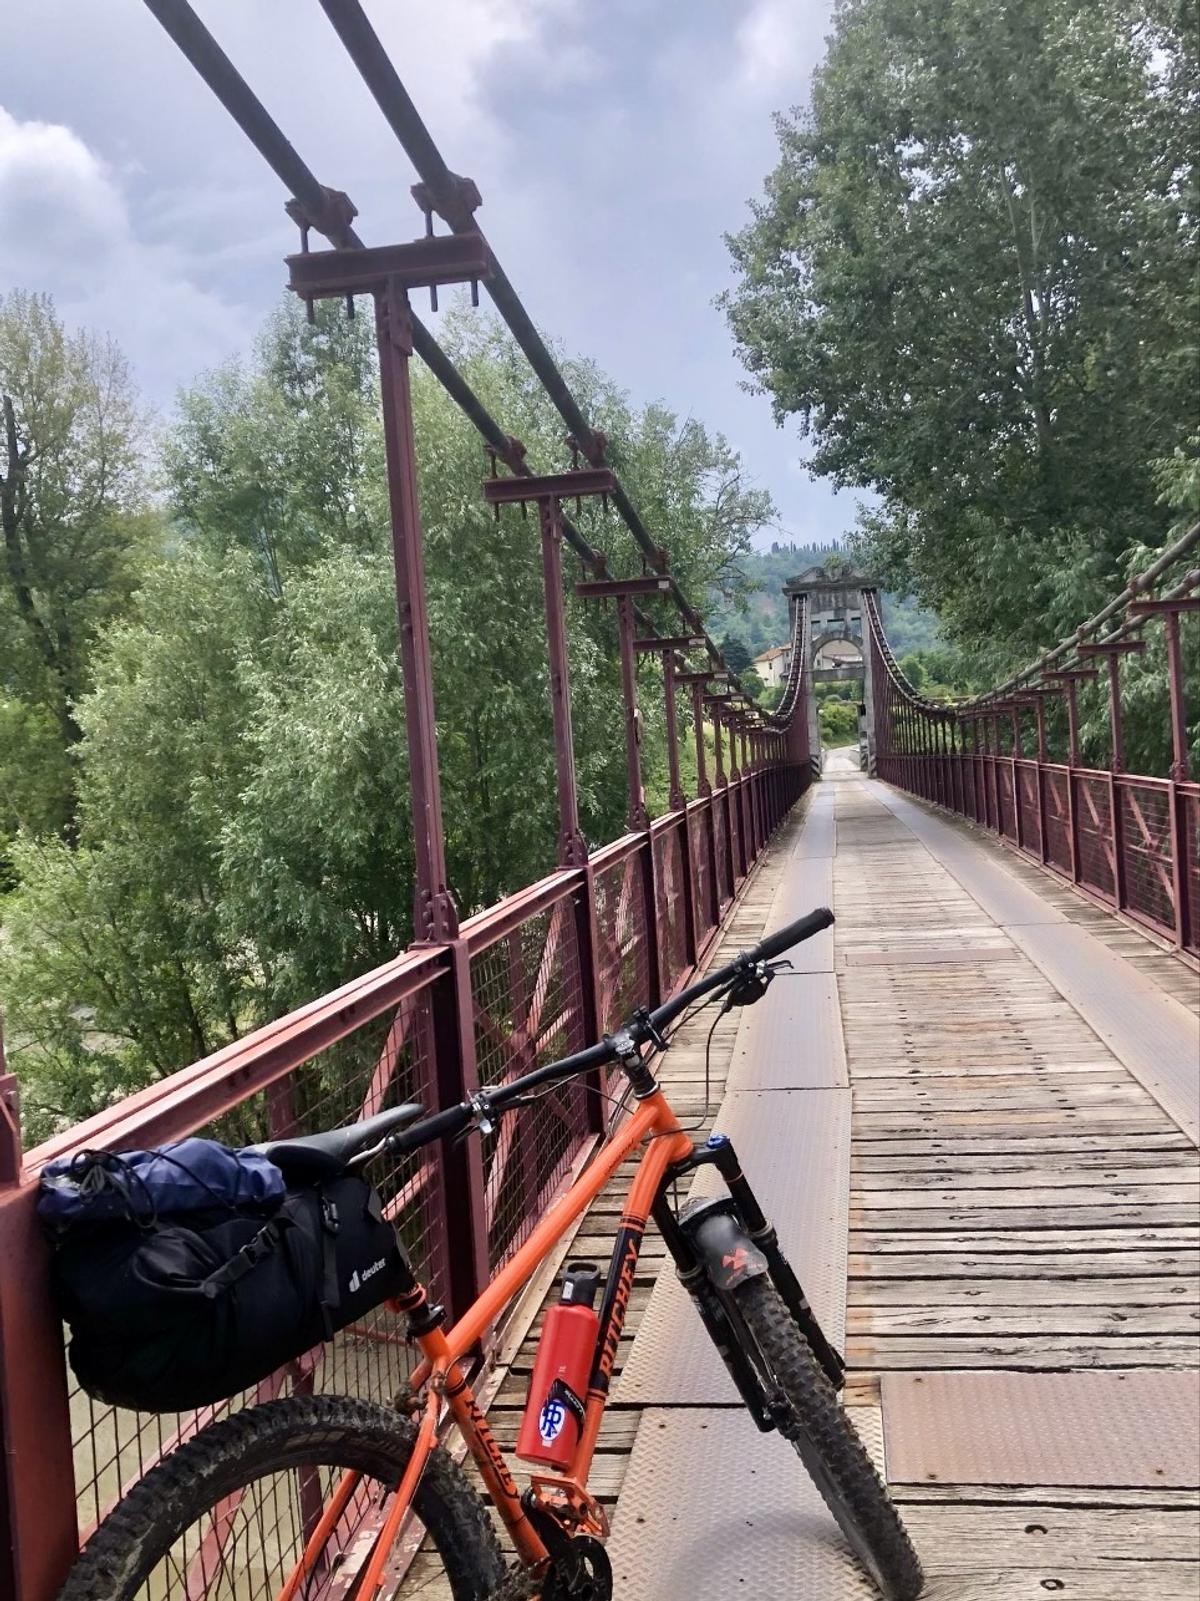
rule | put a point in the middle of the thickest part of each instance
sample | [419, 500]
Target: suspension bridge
[972, 1109]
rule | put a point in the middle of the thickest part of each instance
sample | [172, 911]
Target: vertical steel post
[676, 798]
[1116, 724]
[1180, 770]
[38, 1529]
[572, 848]
[1072, 724]
[1016, 775]
[709, 814]
[1043, 756]
[638, 817]
[677, 801]
[703, 787]
[456, 1078]
[1179, 775]
[435, 916]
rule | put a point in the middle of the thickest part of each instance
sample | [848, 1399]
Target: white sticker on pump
[552, 1421]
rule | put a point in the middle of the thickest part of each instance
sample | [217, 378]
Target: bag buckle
[329, 1215]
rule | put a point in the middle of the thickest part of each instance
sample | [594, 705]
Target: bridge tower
[837, 649]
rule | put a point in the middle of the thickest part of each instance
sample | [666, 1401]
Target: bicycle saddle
[325, 1155]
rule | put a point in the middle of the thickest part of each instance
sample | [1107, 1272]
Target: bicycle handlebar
[646, 1026]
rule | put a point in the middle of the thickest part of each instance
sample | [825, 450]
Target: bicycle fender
[728, 1254]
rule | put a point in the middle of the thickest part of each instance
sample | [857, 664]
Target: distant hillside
[763, 623]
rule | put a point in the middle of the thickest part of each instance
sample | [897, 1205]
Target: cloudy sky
[613, 143]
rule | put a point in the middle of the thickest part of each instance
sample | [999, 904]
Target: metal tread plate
[818, 837]
[792, 1038]
[807, 883]
[711, 1509]
[795, 1148]
[1088, 1428]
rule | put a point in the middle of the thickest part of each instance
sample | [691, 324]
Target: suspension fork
[720, 1153]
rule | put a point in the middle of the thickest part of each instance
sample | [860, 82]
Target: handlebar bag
[191, 1307]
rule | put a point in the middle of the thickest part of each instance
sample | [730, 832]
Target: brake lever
[754, 983]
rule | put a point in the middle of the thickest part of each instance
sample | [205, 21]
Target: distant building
[773, 665]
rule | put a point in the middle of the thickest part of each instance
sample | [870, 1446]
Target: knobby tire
[322, 1431]
[827, 1444]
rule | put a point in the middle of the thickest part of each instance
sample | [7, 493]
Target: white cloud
[66, 228]
[778, 44]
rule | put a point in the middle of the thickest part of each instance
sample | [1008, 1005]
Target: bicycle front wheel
[826, 1443]
[229, 1515]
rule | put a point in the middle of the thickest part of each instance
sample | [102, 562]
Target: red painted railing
[1130, 841]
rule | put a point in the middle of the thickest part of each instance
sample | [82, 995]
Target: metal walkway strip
[1087, 1429]
[795, 1147]
[819, 834]
[807, 883]
[792, 1039]
[712, 1509]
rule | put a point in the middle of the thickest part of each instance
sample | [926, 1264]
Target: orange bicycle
[306, 1497]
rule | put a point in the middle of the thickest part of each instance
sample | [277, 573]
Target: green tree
[245, 840]
[75, 531]
[752, 684]
[736, 653]
[972, 279]
[839, 722]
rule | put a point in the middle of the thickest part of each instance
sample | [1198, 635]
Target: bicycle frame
[440, 1374]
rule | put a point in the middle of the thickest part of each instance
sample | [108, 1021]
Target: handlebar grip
[784, 938]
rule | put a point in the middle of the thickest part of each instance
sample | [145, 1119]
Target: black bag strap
[269, 1238]
[331, 1295]
[248, 1258]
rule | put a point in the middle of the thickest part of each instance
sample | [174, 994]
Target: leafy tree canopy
[75, 530]
[972, 279]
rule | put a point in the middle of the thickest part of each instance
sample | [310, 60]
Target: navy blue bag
[190, 1175]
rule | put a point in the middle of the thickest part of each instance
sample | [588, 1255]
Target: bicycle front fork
[719, 1243]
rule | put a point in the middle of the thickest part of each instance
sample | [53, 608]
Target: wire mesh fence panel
[1056, 797]
[1093, 833]
[670, 889]
[527, 1001]
[1027, 794]
[720, 803]
[623, 955]
[1007, 799]
[707, 909]
[382, 1064]
[1147, 851]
